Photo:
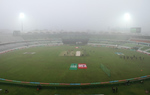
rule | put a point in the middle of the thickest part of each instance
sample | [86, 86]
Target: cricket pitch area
[71, 53]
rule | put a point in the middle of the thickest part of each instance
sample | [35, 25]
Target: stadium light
[127, 16]
[22, 17]
[127, 19]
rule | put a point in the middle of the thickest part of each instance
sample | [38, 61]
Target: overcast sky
[74, 15]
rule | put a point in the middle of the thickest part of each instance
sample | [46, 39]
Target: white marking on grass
[25, 52]
[29, 52]
[33, 52]
[78, 53]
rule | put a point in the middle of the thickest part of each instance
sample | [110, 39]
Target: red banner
[82, 66]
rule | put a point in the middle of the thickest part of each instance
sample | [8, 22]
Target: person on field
[128, 82]
[146, 91]
[116, 89]
[37, 89]
[6, 91]
[142, 81]
[113, 89]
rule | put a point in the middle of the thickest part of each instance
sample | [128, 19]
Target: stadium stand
[9, 42]
[10, 38]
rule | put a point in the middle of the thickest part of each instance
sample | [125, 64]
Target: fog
[75, 15]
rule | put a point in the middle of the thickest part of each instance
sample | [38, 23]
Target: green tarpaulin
[73, 66]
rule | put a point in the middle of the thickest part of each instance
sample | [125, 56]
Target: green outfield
[48, 64]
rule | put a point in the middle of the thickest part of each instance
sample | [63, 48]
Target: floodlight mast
[127, 18]
[22, 18]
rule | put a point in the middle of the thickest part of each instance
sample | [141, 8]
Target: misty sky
[74, 15]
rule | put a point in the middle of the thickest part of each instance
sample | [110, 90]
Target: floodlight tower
[127, 18]
[22, 18]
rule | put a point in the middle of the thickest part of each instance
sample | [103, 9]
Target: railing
[94, 83]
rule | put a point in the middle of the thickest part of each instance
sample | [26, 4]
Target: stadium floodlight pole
[127, 18]
[21, 17]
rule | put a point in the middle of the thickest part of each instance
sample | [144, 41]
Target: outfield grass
[148, 51]
[133, 89]
[46, 65]
[145, 48]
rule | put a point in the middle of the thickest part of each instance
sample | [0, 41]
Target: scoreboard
[135, 30]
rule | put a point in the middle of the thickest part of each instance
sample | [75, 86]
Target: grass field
[133, 89]
[46, 65]
[145, 48]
